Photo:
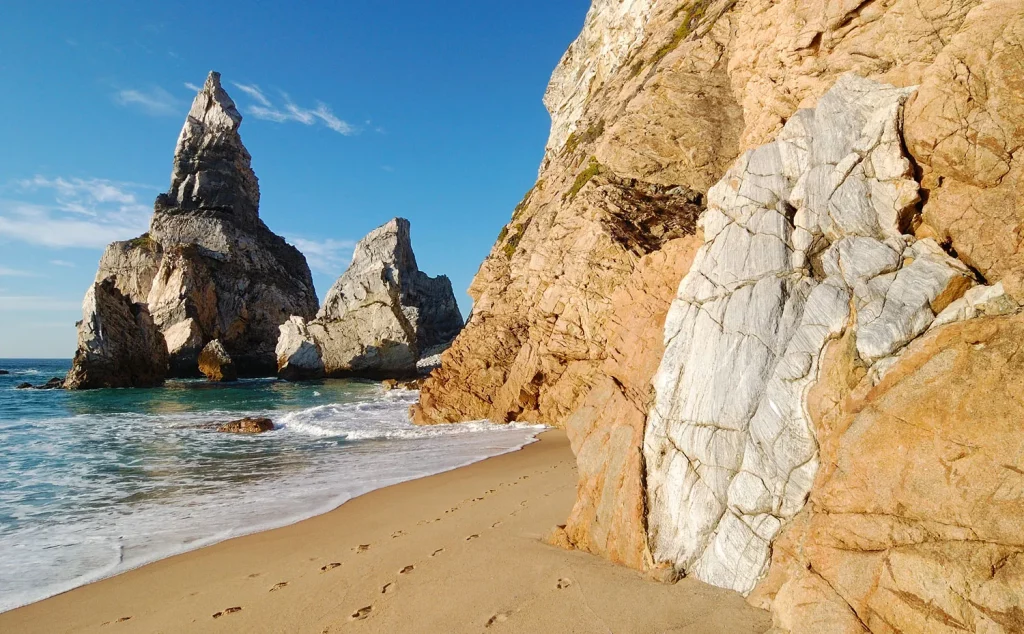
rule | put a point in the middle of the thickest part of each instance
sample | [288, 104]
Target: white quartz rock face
[802, 241]
[612, 29]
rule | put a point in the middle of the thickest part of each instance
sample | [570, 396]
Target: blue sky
[354, 112]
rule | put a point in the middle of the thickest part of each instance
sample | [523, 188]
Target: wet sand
[461, 551]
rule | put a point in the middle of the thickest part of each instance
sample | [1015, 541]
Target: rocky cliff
[380, 317]
[209, 268]
[118, 343]
[822, 417]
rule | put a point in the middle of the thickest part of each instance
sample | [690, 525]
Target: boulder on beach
[215, 363]
[248, 425]
[378, 319]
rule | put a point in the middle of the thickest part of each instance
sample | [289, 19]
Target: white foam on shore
[186, 487]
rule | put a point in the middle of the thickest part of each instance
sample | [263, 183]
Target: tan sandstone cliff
[908, 512]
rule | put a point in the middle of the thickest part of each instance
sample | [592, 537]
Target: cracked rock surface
[118, 343]
[377, 319]
[802, 240]
[209, 268]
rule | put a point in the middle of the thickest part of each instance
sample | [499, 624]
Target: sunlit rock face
[224, 274]
[209, 269]
[670, 93]
[611, 31]
[802, 241]
[118, 343]
[379, 317]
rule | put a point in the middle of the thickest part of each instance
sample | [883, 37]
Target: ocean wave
[135, 478]
[383, 419]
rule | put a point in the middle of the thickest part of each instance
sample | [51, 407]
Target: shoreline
[457, 551]
[128, 561]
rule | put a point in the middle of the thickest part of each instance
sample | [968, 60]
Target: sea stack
[208, 269]
[378, 319]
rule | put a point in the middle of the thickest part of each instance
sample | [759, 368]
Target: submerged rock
[118, 343]
[209, 269]
[4, 372]
[23, 386]
[247, 426]
[398, 384]
[377, 319]
[215, 363]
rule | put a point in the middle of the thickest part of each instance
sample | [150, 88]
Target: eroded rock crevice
[731, 451]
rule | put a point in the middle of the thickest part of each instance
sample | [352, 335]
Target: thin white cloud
[330, 257]
[17, 303]
[193, 87]
[73, 212]
[265, 109]
[64, 263]
[155, 101]
[253, 91]
[8, 272]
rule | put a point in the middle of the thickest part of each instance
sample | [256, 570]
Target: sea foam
[95, 484]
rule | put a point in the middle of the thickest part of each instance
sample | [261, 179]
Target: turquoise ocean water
[94, 483]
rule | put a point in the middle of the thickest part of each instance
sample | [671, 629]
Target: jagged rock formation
[118, 343]
[209, 269]
[539, 339]
[669, 93]
[377, 319]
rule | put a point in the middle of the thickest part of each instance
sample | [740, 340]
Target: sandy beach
[462, 551]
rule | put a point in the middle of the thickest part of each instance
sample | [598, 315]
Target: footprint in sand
[255, 574]
[500, 617]
[330, 566]
[563, 584]
[407, 569]
[120, 620]
[472, 537]
[361, 613]
[397, 534]
[437, 552]
[278, 586]
[227, 611]
[361, 548]
[496, 525]
[388, 587]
